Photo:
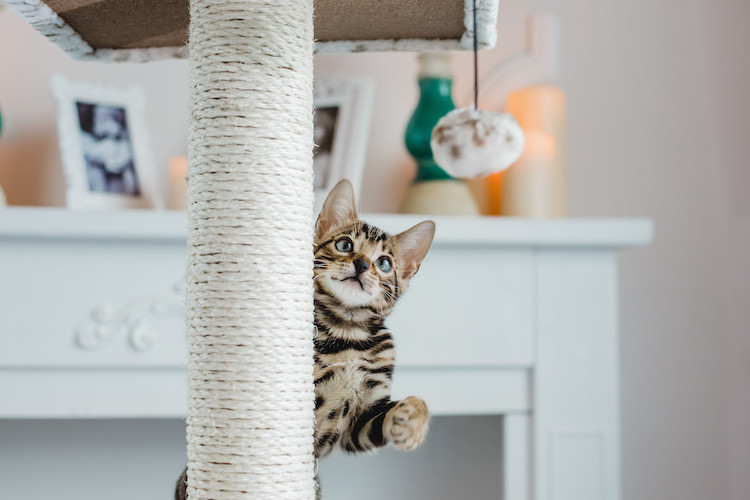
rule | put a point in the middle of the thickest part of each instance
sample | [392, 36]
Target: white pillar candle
[178, 183]
[535, 185]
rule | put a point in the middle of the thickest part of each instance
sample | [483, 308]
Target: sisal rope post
[250, 311]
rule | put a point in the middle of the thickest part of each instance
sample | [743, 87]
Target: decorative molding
[130, 322]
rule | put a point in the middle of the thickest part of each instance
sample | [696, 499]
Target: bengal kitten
[360, 272]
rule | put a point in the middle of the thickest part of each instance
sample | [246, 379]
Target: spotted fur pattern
[360, 273]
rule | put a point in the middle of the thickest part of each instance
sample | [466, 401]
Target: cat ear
[413, 245]
[338, 209]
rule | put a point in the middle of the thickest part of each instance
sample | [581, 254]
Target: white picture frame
[105, 146]
[343, 109]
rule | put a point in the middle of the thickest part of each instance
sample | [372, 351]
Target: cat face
[360, 265]
[357, 264]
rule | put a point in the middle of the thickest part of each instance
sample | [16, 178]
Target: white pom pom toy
[471, 143]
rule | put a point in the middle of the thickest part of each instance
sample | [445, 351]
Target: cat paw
[406, 423]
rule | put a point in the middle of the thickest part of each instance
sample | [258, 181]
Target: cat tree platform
[139, 30]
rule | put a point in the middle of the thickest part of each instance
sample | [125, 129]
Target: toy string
[476, 60]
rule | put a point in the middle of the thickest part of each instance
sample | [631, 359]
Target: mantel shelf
[60, 223]
[508, 317]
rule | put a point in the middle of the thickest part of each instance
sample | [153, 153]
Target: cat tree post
[250, 386]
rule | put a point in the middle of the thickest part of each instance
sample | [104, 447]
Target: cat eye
[344, 245]
[384, 264]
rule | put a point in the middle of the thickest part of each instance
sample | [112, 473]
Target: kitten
[360, 272]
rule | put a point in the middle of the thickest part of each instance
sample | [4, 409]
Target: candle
[535, 185]
[178, 183]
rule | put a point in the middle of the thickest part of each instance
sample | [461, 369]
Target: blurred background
[657, 127]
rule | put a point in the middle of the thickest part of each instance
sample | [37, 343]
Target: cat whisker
[388, 294]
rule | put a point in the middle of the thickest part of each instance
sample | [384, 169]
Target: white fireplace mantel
[512, 317]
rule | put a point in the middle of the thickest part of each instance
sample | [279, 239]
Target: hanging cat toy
[469, 142]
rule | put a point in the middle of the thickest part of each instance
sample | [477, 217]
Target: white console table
[507, 316]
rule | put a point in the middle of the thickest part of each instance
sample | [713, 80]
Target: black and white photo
[105, 146]
[105, 140]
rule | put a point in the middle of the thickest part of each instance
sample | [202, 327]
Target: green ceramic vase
[435, 101]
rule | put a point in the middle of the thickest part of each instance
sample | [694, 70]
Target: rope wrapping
[250, 199]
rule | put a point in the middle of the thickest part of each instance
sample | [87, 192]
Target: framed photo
[343, 108]
[104, 144]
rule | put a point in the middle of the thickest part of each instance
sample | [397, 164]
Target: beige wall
[657, 127]
[726, 30]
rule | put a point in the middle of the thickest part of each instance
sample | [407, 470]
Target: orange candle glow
[535, 185]
[178, 183]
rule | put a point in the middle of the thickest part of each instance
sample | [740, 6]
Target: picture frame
[343, 110]
[105, 146]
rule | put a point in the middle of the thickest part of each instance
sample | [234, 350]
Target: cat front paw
[406, 423]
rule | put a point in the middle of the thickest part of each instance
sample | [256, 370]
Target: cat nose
[361, 266]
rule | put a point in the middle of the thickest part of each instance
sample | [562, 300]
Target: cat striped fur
[360, 272]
